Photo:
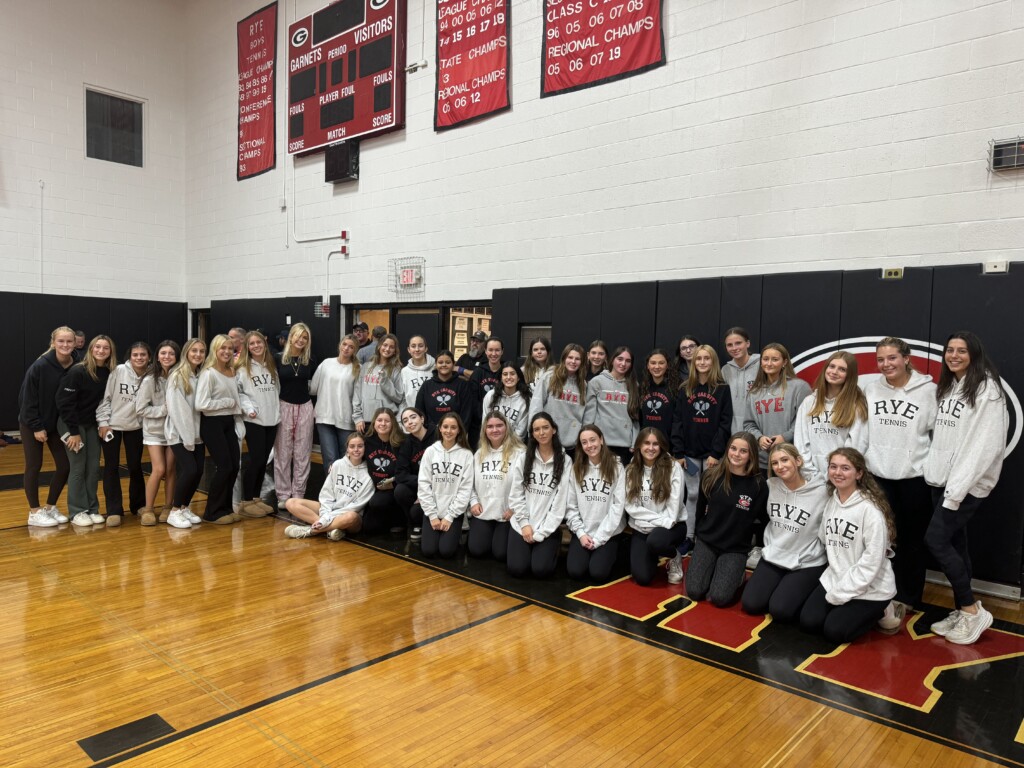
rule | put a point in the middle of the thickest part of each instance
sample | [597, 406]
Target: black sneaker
[416, 535]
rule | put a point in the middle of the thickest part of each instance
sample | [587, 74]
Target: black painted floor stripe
[127, 736]
[851, 710]
[304, 687]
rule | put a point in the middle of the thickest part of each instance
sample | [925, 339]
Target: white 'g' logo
[300, 36]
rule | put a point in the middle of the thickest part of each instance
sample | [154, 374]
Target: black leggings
[189, 471]
[218, 432]
[779, 591]
[259, 440]
[646, 548]
[524, 559]
[839, 623]
[34, 462]
[593, 564]
[440, 543]
[406, 500]
[715, 575]
[112, 472]
[947, 540]
[381, 513]
[911, 502]
[488, 538]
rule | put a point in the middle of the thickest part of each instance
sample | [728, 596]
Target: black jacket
[702, 424]
[37, 403]
[79, 395]
[438, 398]
[381, 459]
[409, 455]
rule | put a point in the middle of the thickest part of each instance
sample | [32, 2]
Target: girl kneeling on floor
[597, 513]
[346, 492]
[654, 495]
[858, 532]
[445, 486]
[793, 557]
[733, 496]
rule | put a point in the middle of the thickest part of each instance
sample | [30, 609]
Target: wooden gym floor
[229, 646]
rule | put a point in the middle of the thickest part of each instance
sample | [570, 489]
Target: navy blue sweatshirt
[409, 455]
[79, 396]
[725, 521]
[657, 409]
[702, 423]
[381, 459]
[438, 398]
[37, 399]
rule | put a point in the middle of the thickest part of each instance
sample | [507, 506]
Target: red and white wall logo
[925, 357]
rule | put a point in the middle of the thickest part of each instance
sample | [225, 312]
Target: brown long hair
[633, 405]
[851, 405]
[722, 471]
[395, 436]
[670, 380]
[868, 487]
[787, 373]
[661, 472]
[607, 462]
[530, 368]
[560, 374]
[245, 360]
[89, 362]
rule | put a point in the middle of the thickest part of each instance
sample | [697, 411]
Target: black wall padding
[575, 316]
[504, 316]
[963, 299]
[268, 316]
[687, 307]
[425, 324]
[627, 317]
[741, 306]
[801, 311]
[535, 305]
[876, 307]
[30, 318]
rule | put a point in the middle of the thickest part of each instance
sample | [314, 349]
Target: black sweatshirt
[657, 409]
[37, 399]
[409, 455]
[438, 398]
[702, 424]
[381, 459]
[725, 521]
[79, 396]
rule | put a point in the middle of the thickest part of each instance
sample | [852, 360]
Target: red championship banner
[257, 56]
[472, 60]
[587, 42]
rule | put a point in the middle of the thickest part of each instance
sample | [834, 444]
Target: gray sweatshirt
[773, 412]
[966, 454]
[597, 509]
[217, 394]
[259, 392]
[182, 423]
[567, 410]
[608, 407]
[794, 519]
[817, 437]
[151, 407]
[337, 395]
[413, 377]
[117, 409]
[492, 482]
[900, 420]
[739, 381]
[377, 390]
[445, 481]
[512, 408]
[540, 504]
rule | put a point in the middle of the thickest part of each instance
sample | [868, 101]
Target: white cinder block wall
[93, 227]
[803, 135]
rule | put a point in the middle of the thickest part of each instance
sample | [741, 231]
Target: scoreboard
[346, 73]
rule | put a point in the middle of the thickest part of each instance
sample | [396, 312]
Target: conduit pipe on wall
[42, 224]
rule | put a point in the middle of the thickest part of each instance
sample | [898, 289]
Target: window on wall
[113, 128]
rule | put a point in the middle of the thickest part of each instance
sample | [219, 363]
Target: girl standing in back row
[294, 440]
[613, 404]
[962, 467]
[833, 416]
[261, 413]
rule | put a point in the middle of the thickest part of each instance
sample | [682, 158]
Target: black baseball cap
[479, 336]
[360, 327]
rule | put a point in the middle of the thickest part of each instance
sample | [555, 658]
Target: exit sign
[408, 277]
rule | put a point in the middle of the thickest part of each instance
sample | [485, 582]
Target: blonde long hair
[851, 404]
[297, 330]
[182, 373]
[509, 446]
[715, 378]
[90, 364]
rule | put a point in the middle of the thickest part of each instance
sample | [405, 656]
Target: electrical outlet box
[892, 273]
[997, 267]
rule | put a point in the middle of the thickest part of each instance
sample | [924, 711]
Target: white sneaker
[675, 569]
[298, 531]
[336, 535]
[753, 558]
[892, 619]
[176, 519]
[82, 519]
[191, 516]
[56, 514]
[944, 627]
[97, 519]
[41, 518]
[970, 626]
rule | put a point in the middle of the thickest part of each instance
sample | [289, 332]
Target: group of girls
[866, 476]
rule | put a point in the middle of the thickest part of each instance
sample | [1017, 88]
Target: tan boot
[147, 516]
[113, 521]
[250, 510]
[165, 512]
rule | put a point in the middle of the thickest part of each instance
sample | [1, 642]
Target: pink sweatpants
[292, 448]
